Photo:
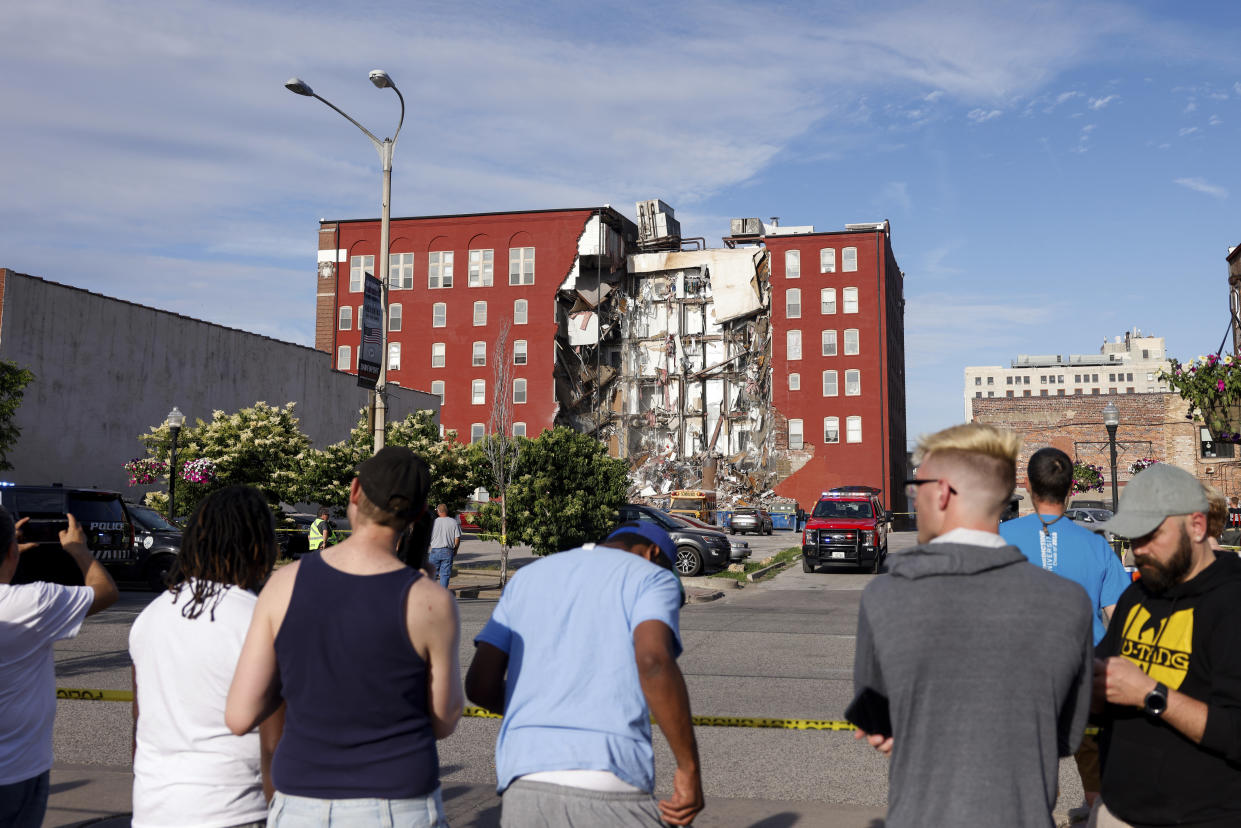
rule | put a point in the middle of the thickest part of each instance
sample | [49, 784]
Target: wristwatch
[1156, 700]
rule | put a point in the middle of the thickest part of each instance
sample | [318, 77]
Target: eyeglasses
[912, 484]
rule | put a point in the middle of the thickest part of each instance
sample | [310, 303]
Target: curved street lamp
[174, 421]
[385, 148]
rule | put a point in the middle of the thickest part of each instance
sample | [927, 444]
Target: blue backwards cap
[651, 532]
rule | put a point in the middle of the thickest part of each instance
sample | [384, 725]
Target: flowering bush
[1141, 464]
[144, 471]
[1211, 385]
[201, 470]
[1087, 477]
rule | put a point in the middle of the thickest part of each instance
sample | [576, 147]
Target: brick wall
[1151, 425]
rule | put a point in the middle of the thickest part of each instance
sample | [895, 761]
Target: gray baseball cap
[1159, 492]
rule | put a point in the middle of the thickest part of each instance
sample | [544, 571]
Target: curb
[758, 573]
[706, 582]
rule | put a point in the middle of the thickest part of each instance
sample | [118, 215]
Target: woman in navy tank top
[363, 651]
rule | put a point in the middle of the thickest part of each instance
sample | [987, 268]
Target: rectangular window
[1043, 380]
[437, 388]
[1094, 377]
[439, 315]
[1111, 378]
[1212, 449]
[827, 260]
[831, 429]
[521, 265]
[359, 268]
[848, 260]
[478, 392]
[792, 304]
[395, 312]
[439, 269]
[792, 264]
[853, 429]
[519, 311]
[400, 271]
[852, 346]
[978, 395]
[827, 301]
[792, 342]
[480, 354]
[342, 358]
[437, 354]
[480, 313]
[853, 383]
[831, 385]
[850, 299]
[1077, 378]
[1026, 380]
[978, 380]
[1042, 392]
[519, 391]
[829, 343]
[1008, 393]
[796, 440]
[794, 381]
[519, 429]
[344, 318]
[519, 352]
[394, 356]
[476, 432]
[990, 380]
[481, 268]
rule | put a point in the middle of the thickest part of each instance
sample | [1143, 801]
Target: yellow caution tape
[479, 713]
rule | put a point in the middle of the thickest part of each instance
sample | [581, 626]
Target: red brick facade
[1151, 425]
[878, 459]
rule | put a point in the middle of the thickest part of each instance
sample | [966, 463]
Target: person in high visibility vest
[322, 532]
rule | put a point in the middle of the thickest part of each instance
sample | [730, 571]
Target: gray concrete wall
[107, 370]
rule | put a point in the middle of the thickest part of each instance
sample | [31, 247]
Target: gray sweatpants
[543, 805]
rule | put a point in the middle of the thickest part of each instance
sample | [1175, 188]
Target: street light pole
[174, 421]
[1111, 419]
[385, 148]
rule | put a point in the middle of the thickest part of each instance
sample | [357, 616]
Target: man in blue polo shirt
[1057, 544]
[599, 628]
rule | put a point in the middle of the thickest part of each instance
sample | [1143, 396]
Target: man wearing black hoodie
[1168, 676]
[984, 658]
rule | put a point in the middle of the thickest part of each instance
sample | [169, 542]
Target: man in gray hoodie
[985, 659]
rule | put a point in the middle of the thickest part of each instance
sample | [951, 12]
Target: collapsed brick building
[686, 360]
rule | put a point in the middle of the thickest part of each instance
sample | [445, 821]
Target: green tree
[261, 446]
[327, 473]
[565, 492]
[13, 382]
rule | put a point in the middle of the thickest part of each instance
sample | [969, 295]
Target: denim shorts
[307, 812]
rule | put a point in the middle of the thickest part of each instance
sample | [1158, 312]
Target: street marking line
[78, 694]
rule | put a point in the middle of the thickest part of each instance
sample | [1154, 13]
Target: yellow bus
[695, 503]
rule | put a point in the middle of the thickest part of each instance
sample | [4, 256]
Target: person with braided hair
[188, 768]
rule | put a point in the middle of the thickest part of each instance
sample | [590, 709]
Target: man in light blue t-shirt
[1052, 541]
[598, 627]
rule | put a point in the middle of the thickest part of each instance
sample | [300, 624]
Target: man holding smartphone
[33, 617]
[984, 659]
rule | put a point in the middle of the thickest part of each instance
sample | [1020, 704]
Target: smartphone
[869, 712]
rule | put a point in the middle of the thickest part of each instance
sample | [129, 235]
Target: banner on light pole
[370, 351]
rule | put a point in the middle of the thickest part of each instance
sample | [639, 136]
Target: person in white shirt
[188, 768]
[33, 617]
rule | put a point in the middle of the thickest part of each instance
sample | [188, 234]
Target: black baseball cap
[396, 480]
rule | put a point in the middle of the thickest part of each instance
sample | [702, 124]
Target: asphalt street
[782, 648]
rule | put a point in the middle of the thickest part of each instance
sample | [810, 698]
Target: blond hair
[985, 454]
[1217, 511]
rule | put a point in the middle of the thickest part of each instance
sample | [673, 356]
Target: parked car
[1091, 518]
[697, 549]
[749, 519]
[102, 516]
[848, 526]
[739, 550]
[160, 540]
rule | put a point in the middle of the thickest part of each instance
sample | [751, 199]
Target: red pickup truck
[848, 527]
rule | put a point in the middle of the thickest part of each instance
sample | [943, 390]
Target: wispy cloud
[895, 193]
[1183, 131]
[1200, 185]
[979, 116]
[1215, 120]
[1100, 103]
[932, 97]
[1192, 106]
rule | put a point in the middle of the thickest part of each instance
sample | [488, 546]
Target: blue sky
[1055, 172]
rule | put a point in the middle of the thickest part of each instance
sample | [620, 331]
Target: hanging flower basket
[143, 471]
[201, 470]
[1211, 385]
[1141, 465]
[1087, 477]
